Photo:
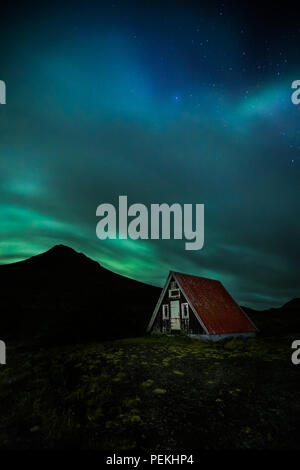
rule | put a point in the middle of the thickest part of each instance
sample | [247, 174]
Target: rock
[35, 429]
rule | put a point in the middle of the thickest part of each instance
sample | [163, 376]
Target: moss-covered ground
[157, 394]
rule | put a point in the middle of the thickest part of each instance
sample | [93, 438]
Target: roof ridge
[197, 277]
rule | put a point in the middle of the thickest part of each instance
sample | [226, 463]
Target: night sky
[180, 102]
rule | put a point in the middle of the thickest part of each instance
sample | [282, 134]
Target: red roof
[215, 307]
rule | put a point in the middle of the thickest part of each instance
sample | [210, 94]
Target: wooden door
[175, 315]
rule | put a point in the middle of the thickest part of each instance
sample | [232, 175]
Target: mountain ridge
[66, 253]
[64, 295]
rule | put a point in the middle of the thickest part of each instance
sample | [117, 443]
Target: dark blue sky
[180, 102]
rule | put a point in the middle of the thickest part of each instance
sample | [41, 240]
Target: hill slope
[277, 321]
[65, 295]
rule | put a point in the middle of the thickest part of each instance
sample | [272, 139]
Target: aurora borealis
[180, 102]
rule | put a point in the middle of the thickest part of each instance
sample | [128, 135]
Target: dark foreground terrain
[71, 383]
[151, 394]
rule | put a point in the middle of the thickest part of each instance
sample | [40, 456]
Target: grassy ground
[155, 394]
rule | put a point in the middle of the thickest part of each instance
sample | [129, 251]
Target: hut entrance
[175, 315]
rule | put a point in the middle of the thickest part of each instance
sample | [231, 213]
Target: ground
[157, 394]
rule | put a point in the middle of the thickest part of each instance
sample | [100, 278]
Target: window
[185, 311]
[165, 312]
[173, 285]
[174, 293]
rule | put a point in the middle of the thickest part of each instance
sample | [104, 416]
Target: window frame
[176, 296]
[185, 315]
[165, 308]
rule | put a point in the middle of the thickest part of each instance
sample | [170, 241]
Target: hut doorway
[175, 315]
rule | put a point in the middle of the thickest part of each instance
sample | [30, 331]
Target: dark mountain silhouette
[277, 321]
[65, 296]
[293, 304]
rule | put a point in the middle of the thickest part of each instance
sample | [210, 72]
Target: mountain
[292, 305]
[277, 321]
[65, 296]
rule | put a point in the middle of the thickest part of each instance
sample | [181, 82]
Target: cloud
[95, 120]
